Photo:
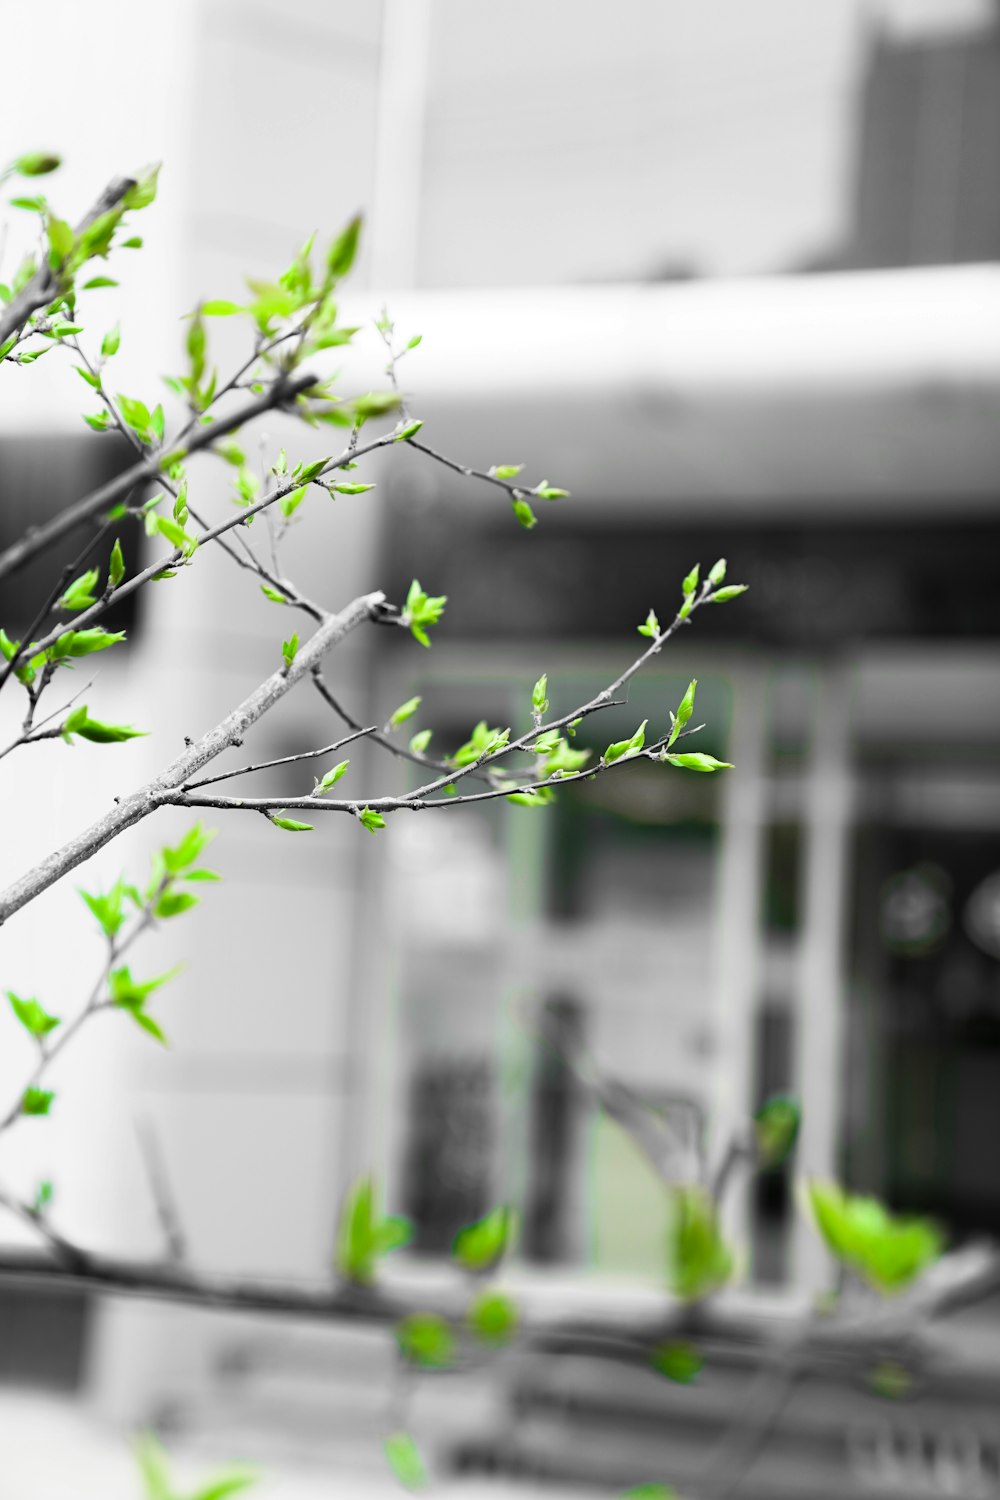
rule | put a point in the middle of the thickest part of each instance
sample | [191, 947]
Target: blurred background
[728, 273]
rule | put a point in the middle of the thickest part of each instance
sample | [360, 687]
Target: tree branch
[163, 1198]
[380, 738]
[845, 1345]
[282, 760]
[43, 286]
[38, 538]
[161, 789]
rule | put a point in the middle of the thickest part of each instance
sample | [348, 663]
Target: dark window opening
[40, 475]
[813, 586]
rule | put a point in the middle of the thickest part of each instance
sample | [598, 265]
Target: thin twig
[422, 798]
[69, 572]
[44, 285]
[37, 538]
[402, 752]
[515, 490]
[282, 760]
[157, 793]
[163, 1197]
[174, 558]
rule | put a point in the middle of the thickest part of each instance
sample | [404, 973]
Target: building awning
[817, 391]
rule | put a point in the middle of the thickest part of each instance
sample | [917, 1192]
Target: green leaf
[649, 1492]
[523, 513]
[97, 282]
[684, 711]
[44, 1193]
[679, 1362]
[506, 471]
[94, 381]
[690, 582]
[340, 256]
[32, 1016]
[61, 240]
[131, 993]
[699, 1261]
[289, 504]
[539, 698]
[652, 625]
[697, 761]
[116, 565]
[891, 1380]
[80, 594]
[351, 489]
[717, 572]
[174, 904]
[421, 610]
[196, 343]
[98, 420]
[541, 797]
[291, 825]
[144, 191]
[358, 1244]
[85, 642]
[561, 760]
[403, 1457]
[111, 341]
[482, 1245]
[175, 535]
[289, 649]
[493, 1318]
[152, 1463]
[404, 711]
[331, 777]
[37, 163]
[145, 1020]
[97, 237]
[177, 858]
[272, 301]
[308, 472]
[232, 453]
[79, 722]
[411, 429]
[420, 741]
[35, 1101]
[225, 1485]
[392, 1233]
[546, 491]
[219, 308]
[887, 1250]
[371, 820]
[622, 749]
[776, 1129]
[482, 743]
[275, 596]
[136, 414]
[731, 591]
[425, 1339]
[375, 404]
[108, 908]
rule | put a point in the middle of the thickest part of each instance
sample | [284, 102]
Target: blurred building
[601, 232]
